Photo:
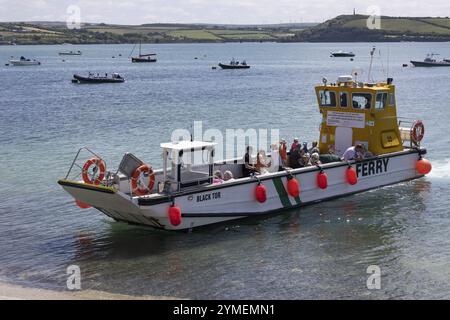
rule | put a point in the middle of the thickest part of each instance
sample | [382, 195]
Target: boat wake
[441, 169]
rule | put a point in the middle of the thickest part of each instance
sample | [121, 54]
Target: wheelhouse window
[327, 98]
[343, 99]
[361, 100]
[391, 99]
[380, 101]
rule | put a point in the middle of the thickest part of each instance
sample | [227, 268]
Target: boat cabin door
[343, 139]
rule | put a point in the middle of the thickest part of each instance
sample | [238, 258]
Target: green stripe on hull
[284, 197]
[282, 193]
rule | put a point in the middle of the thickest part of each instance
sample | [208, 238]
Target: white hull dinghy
[184, 194]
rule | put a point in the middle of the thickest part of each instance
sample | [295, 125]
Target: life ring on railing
[417, 131]
[140, 189]
[99, 165]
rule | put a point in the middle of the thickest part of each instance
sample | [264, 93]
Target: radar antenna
[357, 72]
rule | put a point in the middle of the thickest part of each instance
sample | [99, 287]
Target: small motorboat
[70, 53]
[429, 61]
[91, 78]
[22, 61]
[234, 65]
[341, 53]
[149, 57]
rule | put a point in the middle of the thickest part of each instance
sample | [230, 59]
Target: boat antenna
[388, 60]
[370, 66]
[382, 64]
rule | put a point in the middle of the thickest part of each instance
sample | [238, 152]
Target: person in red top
[295, 145]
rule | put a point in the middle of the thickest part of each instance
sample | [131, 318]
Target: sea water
[320, 251]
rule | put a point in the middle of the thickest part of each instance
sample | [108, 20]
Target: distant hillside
[90, 33]
[353, 28]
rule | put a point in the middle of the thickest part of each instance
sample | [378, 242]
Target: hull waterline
[235, 200]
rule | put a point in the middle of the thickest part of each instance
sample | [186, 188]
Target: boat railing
[405, 126]
[76, 164]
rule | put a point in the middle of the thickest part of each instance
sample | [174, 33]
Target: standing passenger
[283, 153]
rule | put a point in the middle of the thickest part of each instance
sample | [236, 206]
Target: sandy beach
[15, 292]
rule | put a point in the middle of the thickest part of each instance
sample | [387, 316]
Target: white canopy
[187, 145]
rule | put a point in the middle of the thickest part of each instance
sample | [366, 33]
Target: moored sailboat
[149, 57]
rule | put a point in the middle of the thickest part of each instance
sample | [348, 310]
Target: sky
[211, 11]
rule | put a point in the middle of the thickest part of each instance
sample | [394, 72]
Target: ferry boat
[183, 194]
[22, 61]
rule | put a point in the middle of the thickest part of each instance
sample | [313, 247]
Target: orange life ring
[417, 131]
[142, 190]
[100, 164]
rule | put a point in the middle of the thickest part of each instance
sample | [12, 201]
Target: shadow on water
[128, 241]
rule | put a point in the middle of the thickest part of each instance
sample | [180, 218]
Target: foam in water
[441, 169]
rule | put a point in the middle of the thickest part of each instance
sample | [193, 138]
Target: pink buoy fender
[322, 180]
[174, 215]
[423, 166]
[293, 187]
[260, 193]
[350, 174]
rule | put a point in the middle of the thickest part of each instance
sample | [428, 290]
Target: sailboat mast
[140, 42]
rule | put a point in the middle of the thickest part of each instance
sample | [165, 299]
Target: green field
[23, 33]
[346, 28]
[404, 25]
[193, 34]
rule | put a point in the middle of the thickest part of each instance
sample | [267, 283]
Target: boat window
[343, 99]
[380, 101]
[361, 100]
[327, 98]
[391, 99]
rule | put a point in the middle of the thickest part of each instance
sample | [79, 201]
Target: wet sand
[15, 292]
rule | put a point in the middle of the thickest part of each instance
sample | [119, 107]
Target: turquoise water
[321, 251]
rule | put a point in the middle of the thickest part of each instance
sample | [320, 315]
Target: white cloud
[218, 11]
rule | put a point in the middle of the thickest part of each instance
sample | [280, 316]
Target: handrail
[76, 157]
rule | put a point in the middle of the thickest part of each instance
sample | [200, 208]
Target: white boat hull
[24, 63]
[234, 200]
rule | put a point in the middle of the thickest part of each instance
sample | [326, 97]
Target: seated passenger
[305, 160]
[314, 148]
[228, 176]
[367, 153]
[294, 158]
[305, 147]
[217, 179]
[315, 159]
[353, 153]
[248, 167]
[261, 164]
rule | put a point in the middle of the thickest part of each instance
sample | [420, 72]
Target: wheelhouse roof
[188, 145]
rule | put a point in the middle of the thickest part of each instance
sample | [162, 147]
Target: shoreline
[17, 292]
